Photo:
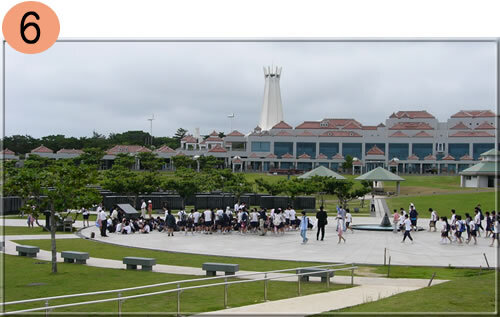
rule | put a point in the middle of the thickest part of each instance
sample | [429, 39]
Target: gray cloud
[75, 88]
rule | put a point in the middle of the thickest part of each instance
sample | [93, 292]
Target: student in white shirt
[293, 219]
[236, 207]
[496, 229]
[477, 222]
[254, 220]
[434, 219]
[208, 221]
[348, 220]
[182, 215]
[219, 219]
[407, 224]
[286, 214]
[143, 208]
[453, 224]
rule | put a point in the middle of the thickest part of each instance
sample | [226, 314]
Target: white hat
[149, 201]
[411, 204]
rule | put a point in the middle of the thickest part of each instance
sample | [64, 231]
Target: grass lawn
[462, 203]
[108, 251]
[31, 278]
[462, 294]
[12, 230]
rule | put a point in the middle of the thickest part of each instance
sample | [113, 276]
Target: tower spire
[272, 108]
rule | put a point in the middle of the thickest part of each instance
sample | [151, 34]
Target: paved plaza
[363, 247]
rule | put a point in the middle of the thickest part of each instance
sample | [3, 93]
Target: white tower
[272, 109]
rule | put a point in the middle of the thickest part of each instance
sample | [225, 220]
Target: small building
[483, 174]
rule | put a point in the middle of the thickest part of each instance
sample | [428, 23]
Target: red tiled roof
[217, 149]
[236, 133]
[357, 163]
[304, 156]
[331, 124]
[282, 125]
[214, 133]
[411, 126]
[485, 126]
[306, 133]
[287, 155]
[448, 158]
[369, 127]
[7, 151]
[375, 150]
[393, 162]
[398, 134]
[42, 149]
[460, 126]
[430, 157]
[473, 114]
[467, 134]
[237, 161]
[422, 134]
[466, 157]
[321, 156]
[189, 139]
[412, 115]
[253, 155]
[283, 133]
[412, 157]
[69, 151]
[352, 125]
[127, 149]
[165, 149]
[340, 134]
[213, 139]
[271, 155]
[338, 156]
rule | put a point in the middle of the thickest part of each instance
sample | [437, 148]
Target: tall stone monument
[272, 109]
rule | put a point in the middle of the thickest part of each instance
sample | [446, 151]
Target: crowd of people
[238, 219]
[245, 220]
[456, 229]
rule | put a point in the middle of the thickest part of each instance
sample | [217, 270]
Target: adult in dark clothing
[321, 216]
[413, 217]
[170, 220]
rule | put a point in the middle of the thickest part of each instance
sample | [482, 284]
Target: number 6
[27, 25]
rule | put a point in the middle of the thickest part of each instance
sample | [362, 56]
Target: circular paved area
[362, 246]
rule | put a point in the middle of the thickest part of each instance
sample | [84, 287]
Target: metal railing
[180, 289]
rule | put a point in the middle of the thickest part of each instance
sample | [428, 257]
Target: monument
[272, 109]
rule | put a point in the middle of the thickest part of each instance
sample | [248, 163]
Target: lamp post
[197, 158]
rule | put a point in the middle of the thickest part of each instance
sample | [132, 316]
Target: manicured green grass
[463, 294]
[108, 251]
[11, 230]
[462, 203]
[27, 278]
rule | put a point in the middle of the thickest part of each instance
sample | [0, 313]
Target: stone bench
[228, 269]
[27, 250]
[319, 272]
[72, 256]
[132, 262]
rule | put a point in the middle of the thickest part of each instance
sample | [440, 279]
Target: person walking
[434, 219]
[303, 227]
[496, 229]
[150, 209]
[407, 224]
[372, 203]
[322, 217]
[477, 221]
[445, 231]
[170, 220]
[340, 228]
[413, 217]
[395, 221]
[102, 222]
[348, 221]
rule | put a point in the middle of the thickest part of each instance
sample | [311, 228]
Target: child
[407, 227]
[488, 225]
[303, 227]
[348, 218]
[434, 219]
[340, 228]
[445, 231]
[495, 229]
[395, 220]
[460, 229]
[473, 229]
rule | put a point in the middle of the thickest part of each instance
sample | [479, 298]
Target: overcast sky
[76, 88]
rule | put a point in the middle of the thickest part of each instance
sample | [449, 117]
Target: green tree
[182, 161]
[150, 161]
[347, 165]
[235, 183]
[272, 188]
[91, 156]
[186, 183]
[179, 134]
[208, 162]
[69, 189]
[293, 187]
[345, 190]
[124, 160]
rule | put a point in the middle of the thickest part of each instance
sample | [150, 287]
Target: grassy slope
[463, 202]
[72, 278]
[12, 230]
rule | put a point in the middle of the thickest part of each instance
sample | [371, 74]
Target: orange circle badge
[30, 27]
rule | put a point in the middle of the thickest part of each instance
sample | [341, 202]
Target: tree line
[23, 144]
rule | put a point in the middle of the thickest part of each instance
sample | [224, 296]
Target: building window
[323, 124]
[422, 149]
[352, 149]
[328, 149]
[281, 148]
[478, 148]
[399, 150]
[308, 148]
[261, 146]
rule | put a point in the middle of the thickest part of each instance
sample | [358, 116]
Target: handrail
[182, 289]
[160, 284]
